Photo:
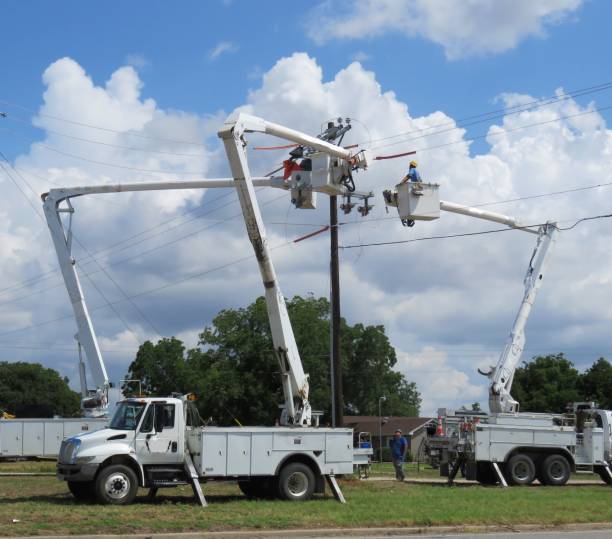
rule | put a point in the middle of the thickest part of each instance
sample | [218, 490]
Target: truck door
[158, 440]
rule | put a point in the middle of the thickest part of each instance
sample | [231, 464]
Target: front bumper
[76, 472]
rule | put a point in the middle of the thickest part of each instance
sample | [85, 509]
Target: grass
[42, 505]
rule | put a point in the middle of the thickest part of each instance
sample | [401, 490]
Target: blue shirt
[398, 447]
[414, 175]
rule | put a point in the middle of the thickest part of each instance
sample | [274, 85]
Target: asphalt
[582, 531]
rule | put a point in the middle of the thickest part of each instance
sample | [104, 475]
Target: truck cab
[144, 436]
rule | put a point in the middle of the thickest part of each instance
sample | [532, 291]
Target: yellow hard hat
[413, 163]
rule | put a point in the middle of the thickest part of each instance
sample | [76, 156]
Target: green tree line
[235, 374]
[549, 383]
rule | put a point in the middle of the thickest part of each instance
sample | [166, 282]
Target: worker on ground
[413, 174]
[398, 446]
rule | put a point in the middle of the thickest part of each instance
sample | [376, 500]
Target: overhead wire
[101, 128]
[99, 142]
[499, 113]
[467, 234]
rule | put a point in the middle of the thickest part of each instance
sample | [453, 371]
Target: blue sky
[421, 63]
[171, 46]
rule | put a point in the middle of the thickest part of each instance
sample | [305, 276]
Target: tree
[160, 367]
[547, 384]
[31, 384]
[235, 372]
[596, 383]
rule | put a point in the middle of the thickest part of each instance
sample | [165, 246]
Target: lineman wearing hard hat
[413, 174]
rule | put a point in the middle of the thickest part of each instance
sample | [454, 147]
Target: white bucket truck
[507, 446]
[159, 442]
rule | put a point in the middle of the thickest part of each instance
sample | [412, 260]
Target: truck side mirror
[160, 417]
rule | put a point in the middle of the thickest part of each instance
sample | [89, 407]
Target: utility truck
[508, 446]
[160, 442]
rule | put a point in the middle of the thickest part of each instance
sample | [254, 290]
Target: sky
[502, 100]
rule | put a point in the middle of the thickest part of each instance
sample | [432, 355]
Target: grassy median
[42, 505]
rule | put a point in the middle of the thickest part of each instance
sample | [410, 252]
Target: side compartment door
[214, 453]
[11, 441]
[54, 432]
[33, 439]
[239, 453]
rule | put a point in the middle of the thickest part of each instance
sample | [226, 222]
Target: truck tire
[604, 475]
[555, 470]
[296, 482]
[258, 487]
[520, 470]
[116, 484]
[82, 490]
[485, 474]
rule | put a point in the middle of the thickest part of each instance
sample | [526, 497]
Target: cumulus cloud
[447, 305]
[461, 27]
[224, 47]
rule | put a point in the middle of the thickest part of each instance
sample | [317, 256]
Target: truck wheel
[258, 487]
[82, 490]
[116, 485]
[555, 470]
[248, 488]
[520, 470]
[604, 475]
[485, 474]
[296, 482]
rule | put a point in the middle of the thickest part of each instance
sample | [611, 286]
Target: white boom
[502, 375]
[297, 409]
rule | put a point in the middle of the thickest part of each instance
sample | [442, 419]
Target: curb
[339, 532]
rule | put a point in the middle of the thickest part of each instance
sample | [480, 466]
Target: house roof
[371, 423]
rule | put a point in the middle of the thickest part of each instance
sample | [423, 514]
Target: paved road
[583, 534]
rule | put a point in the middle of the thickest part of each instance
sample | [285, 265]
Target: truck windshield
[127, 415]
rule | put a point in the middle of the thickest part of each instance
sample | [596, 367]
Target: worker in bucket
[413, 174]
[398, 446]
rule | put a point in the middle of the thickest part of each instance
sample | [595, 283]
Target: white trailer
[158, 442]
[41, 437]
[507, 446]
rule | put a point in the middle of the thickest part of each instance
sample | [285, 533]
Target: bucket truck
[159, 441]
[508, 446]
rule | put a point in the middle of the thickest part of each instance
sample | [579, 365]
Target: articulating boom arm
[502, 375]
[297, 409]
[57, 201]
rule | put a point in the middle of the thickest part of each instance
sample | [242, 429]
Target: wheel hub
[117, 486]
[557, 470]
[297, 484]
[521, 471]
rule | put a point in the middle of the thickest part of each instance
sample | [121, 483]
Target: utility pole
[336, 360]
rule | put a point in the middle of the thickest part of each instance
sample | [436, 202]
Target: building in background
[414, 430]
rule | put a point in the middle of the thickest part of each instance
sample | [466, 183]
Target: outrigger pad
[335, 488]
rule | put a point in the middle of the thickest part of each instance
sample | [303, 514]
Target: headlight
[84, 460]
[72, 450]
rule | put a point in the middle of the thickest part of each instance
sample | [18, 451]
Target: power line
[101, 143]
[467, 234]
[499, 113]
[501, 132]
[149, 291]
[100, 128]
